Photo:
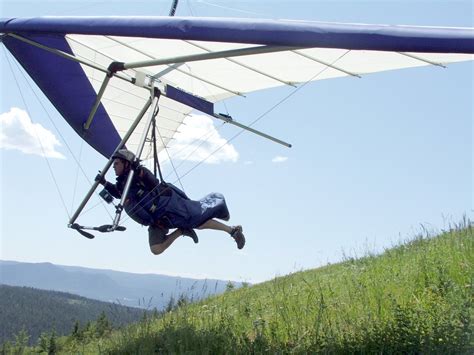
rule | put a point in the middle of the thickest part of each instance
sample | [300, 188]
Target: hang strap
[156, 164]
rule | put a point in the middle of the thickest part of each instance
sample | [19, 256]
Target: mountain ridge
[130, 289]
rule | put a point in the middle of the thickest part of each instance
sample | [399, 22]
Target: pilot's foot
[189, 232]
[238, 236]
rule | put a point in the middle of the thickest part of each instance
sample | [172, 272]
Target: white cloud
[18, 132]
[198, 139]
[279, 159]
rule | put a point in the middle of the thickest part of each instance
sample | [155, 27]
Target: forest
[30, 312]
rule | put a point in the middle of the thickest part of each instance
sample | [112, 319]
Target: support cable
[203, 139]
[77, 177]
[39, 140]
[239, 133]
[171, 161]
[55, 127]
[190, 8]
[233, 9]
[265, 113]
[93, 207]
[156, 161]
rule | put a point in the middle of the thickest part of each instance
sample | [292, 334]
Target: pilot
[162, 206]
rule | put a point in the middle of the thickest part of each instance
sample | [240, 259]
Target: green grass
[414, 298]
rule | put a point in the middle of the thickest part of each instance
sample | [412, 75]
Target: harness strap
[155, 151]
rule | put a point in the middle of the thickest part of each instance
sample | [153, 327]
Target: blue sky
[373, 159]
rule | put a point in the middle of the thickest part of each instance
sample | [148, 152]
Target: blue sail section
[65, 84]
[190, 100]
[265, 32]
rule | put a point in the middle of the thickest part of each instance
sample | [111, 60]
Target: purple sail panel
[66, 85]
[190, 100]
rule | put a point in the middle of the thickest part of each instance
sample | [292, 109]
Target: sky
[375, 161]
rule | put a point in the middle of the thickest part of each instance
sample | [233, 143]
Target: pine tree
[103, 325]
[21, 341]
[229, 286]
[76, 332]
[52, 344]
[6, 348]
[43, 342]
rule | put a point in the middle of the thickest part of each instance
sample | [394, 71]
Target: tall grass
[414, 298]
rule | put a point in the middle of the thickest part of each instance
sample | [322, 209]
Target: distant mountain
[38, 311]
[136, 290]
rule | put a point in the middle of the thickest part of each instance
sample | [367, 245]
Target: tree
[103, 325]
[230, 286]
[43, 342]
[6, 348]
[21, 341]
[52, 348]
[76, 331]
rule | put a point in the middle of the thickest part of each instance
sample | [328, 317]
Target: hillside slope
[415, 298]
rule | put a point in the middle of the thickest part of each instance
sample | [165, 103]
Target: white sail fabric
[218, 79]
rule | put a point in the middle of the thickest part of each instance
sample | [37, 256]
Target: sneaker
[189, 232]
[238, 236]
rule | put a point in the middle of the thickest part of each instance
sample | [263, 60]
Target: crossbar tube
[230, 120]
[208, 56]
[87, 124]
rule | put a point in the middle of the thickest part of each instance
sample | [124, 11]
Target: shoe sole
[237, 234]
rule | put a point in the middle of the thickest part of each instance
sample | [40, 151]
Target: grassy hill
[415, 298]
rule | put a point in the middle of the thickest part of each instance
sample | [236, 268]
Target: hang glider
[197, 62]
[104, 73]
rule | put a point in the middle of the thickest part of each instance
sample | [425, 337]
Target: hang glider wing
[200, 61]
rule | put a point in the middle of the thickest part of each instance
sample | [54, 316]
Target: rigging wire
[188, 3]
[240, 132]
[202, 142]
[203, 139]
[266, 113]
[74, 190]
[37, 137]
[231, 8]
[55, 127]
[91, 208]
[208, 134]
[125, 219]
[171, 160]
[156, 161]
